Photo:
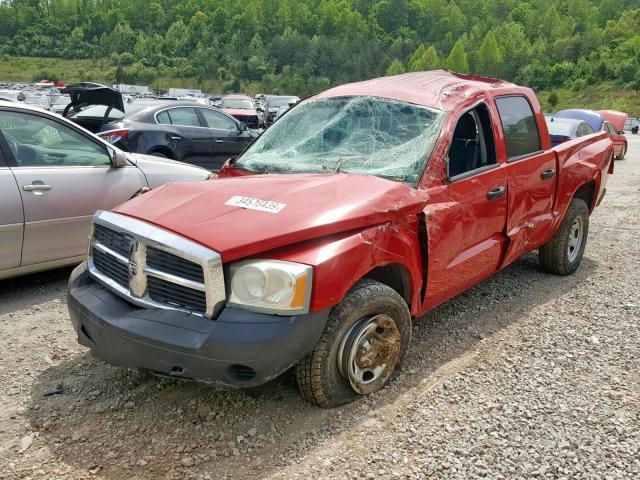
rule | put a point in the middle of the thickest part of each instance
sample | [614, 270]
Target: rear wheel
[563, 253]
[623, 152]
[362, 347]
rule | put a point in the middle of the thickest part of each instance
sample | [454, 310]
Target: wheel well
[393, 275]
[587, 192]
[164, 150]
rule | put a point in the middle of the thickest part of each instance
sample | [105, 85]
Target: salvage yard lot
[525, 375]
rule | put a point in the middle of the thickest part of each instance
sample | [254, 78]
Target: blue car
[564, 129]
[592, 118]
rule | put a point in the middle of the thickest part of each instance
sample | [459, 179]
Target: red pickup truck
[359, 210]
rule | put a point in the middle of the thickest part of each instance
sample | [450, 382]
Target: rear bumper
[239, 348]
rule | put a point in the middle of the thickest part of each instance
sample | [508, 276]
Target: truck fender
[389, 253]
[581, 176]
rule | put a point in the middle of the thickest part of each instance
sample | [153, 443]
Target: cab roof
[437, 89]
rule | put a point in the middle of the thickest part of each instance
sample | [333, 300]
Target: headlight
[270, 286]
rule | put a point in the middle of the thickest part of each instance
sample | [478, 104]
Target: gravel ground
[526, 375]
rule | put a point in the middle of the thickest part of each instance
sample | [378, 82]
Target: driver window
[472, 145]
[37, 141]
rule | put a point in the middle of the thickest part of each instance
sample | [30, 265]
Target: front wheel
[563, 253]
[363, 345]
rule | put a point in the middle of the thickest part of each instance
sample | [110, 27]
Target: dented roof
[437, 89]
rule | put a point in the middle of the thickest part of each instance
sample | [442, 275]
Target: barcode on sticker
[255, 204]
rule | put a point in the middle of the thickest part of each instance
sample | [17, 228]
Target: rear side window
[182, 116]
[585, 129]
[163, 118]
[519, 126]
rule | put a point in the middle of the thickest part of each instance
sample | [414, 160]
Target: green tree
[415, 58]
[424, 59]
[391, 14]
[553, 99]
[176, 41]
[457, 59]
[489, 56]
[395, 68]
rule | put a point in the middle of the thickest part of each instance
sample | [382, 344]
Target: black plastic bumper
[238, 348]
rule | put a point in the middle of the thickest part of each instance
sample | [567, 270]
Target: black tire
[623, 152]
[318, 375]
[556, 256]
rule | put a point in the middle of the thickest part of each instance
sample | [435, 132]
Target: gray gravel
[526, 375]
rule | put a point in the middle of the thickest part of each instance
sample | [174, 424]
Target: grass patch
[29, 69]
[102, 70]
[596, 97]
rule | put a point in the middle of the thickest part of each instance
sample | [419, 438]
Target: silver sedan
[54, 175]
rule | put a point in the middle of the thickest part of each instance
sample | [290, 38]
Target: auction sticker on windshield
[255, 204]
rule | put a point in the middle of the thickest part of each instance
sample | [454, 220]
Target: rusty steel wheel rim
[369, 353]
[576, 234]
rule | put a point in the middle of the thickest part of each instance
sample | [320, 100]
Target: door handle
[219, 141]
[496, 192]
[36, 187]
[546, 174]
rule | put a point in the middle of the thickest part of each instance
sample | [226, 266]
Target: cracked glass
[356, 134]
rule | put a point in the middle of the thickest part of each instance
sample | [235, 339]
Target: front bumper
[238, 348]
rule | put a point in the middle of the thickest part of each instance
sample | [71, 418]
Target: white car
[54, 175]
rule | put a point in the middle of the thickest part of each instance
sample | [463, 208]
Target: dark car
[186, 131]
[91, 105]
[243, 109]
[564, 129]
[277, 105]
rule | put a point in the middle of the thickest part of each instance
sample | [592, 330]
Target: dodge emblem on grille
[133, 268]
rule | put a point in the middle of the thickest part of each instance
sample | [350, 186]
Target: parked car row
[180, 130]
[54, 175]
[573, 123]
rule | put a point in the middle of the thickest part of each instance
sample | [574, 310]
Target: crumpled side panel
[341, 260]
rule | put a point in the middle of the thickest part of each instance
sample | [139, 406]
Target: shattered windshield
[365, 135]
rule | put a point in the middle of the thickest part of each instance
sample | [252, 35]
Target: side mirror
[242, 127]
[117, 158]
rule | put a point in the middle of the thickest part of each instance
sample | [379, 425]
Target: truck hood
[309, 206]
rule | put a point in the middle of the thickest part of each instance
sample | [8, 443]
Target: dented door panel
[532, 187]
[465, 233]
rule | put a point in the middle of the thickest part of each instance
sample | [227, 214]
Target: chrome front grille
[167, 262]
[152, 267]
[172, 294]
[110, 266]
[116, 241]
